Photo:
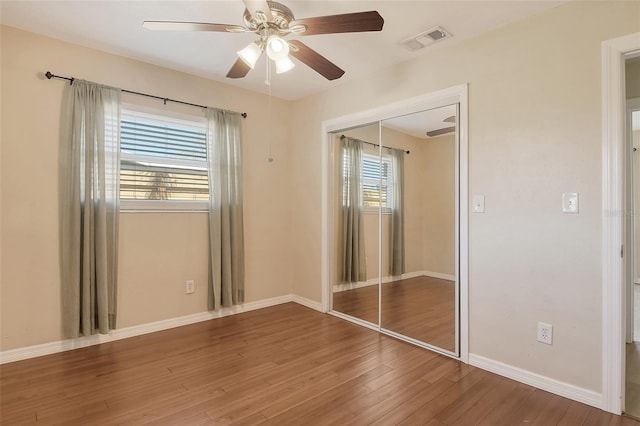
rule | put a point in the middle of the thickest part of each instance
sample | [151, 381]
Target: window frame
[190, 120]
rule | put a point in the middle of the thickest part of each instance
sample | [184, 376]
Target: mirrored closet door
[418, 297]
[396, 226]
[356, 223]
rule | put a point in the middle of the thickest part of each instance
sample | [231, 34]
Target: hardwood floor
[284, 365]
[361, 303]
[422, 308]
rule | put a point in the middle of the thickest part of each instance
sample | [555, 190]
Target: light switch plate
[570, 202]
[478, 203]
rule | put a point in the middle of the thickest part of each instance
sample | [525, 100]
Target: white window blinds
[162, 158]
[377, 187]
[376, 181]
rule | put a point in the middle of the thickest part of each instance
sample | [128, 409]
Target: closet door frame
[452, 95]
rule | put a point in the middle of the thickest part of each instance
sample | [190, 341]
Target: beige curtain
[354, 264]
[396, 239]
[226, 232]
[90, 165]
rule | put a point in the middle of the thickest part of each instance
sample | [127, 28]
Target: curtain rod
[376, 144]
[50, 75]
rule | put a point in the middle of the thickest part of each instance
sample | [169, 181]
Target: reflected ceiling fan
[444, 130]
[272, 22]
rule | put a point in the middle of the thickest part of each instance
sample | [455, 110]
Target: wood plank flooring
[284, 365]
[422, 308]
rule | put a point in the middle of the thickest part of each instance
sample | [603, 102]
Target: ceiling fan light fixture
[250, 54]
[284, 64]
[277, 48]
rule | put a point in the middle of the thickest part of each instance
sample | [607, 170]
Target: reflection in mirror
[356, 222]
[418, 296]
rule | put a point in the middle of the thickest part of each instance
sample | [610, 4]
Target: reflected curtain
[89, 208]
[396, 239]
[226, 231]
[354, 265]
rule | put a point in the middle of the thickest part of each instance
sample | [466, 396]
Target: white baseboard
[352, 286]
[308, 303]
[548, 384]
[137, 330]
[439, 275]
[405, 276]
[390, 279]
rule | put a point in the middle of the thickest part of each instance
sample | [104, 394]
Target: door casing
[614, 54]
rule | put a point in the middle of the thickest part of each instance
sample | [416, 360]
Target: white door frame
[451, 95]
[614, 53]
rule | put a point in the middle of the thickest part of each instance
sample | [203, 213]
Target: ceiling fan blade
[238, 70]
[315, 61]
[188, 26]
[439, 132]
[259, 9]
[346, 23]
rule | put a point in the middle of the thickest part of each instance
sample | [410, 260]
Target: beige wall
[158, 251]
[429, 202]
[439, 205]
[534, 132]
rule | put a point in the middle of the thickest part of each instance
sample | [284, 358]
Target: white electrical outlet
[190, 286]
[545, 333]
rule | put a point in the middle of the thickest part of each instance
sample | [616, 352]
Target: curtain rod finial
[244, 115]
[48, 75]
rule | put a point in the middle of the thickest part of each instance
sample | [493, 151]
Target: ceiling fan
[272, 22]
[444, 130]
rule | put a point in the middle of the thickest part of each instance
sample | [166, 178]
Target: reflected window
[377, 186]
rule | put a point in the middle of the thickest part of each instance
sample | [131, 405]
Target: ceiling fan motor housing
[282, 16]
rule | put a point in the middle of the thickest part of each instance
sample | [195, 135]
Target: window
[163, 162]
[377, 186]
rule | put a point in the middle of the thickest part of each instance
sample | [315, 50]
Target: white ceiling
[116, 27]
[419, 123]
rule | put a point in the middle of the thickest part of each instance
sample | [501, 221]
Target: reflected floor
[632, 374]
[422, 308]
[632, 388]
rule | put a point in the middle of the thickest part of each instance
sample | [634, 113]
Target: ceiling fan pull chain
[267, 80]
[268, 83]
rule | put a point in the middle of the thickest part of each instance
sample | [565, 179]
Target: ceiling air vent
[425, 38]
